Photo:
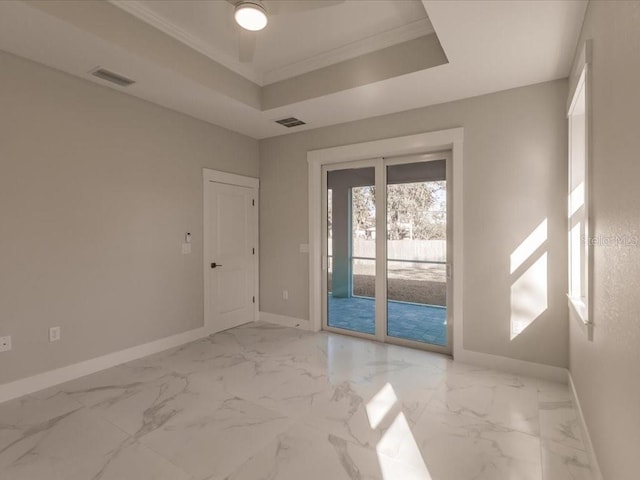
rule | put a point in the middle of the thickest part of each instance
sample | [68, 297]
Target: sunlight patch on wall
[529, 288]
[529, 246]
[529, 296]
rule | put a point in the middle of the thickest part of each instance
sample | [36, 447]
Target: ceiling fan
[251, 16]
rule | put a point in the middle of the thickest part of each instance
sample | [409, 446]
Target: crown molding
[370, 44]
[142, 13]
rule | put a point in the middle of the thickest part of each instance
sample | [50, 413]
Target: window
[578, 204]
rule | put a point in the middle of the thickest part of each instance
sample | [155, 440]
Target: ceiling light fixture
[251, 15]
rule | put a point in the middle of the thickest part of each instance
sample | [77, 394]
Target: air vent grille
[112, 77]
[290, 122]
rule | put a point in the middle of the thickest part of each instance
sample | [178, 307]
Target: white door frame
[216, 176]
[451, 139]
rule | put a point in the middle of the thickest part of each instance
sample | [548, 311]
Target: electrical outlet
[5, 344]
[285, 295]
[54, 334]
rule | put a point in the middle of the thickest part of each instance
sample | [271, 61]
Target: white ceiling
[490, 45]
[295, 41]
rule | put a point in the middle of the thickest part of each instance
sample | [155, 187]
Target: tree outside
[416, 230]
[414, 211]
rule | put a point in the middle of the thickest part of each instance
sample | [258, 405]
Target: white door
[230, 264]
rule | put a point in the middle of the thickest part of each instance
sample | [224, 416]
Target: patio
[423, 323]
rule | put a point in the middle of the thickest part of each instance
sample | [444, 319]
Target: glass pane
[351, 213]
[417, 252]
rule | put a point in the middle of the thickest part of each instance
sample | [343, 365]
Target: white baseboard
[285, 321]
[512, 365]
[51, 378]
[595, 467]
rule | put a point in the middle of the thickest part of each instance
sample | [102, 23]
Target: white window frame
[580, 296]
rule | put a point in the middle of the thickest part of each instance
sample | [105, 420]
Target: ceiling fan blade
[246, 45]
[278, 7]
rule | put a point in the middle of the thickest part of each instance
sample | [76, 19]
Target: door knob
[214, 265]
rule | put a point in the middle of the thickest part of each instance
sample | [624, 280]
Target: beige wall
[515, 151]
[97, 190]
[606, 372]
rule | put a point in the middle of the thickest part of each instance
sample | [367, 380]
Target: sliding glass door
[417, 251]
[386, 268]
[351, 259]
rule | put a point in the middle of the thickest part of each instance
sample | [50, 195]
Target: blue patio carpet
[424, 323]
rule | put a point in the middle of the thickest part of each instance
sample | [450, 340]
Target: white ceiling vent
[290, 122]
[112, 77]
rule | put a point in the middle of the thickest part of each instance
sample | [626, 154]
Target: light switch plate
[54, 334]
[186, 248]
[304, 248]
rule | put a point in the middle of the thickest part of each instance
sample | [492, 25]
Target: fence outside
[429, 250]
[422, 281]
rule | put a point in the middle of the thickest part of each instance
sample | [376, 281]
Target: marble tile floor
[267, 402]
